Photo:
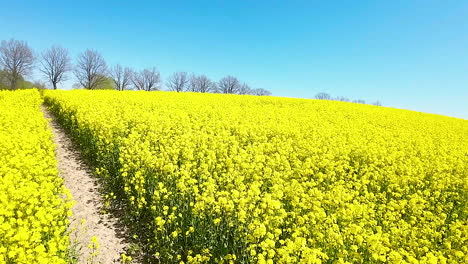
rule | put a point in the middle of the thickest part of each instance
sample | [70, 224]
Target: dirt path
[84, 189]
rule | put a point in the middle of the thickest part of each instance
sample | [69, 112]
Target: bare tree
[229, 85]
[261, 92]
[55, 63]
[342, 99]
[205, 85]
[323, 96]
[91, 69]
[244, 89]
[17, 59]
[147, 80]
[377, 103]
[359, 101]
[192, 84]
[4, 83]
[121, 76]
[201, 84]
[177, 82]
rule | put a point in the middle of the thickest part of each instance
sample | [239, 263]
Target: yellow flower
[34, 205]
[292, 180]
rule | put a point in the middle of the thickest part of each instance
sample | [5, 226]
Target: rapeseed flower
[277, 180]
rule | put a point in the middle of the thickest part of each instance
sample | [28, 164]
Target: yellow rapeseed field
[244, 179]
[33, 203]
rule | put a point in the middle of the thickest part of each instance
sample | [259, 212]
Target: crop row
[34, 205]
[226, 178]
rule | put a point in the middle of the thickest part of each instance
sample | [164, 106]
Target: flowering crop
[244, 179]
[33, 207]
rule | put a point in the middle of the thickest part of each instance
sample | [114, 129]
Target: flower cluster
[34, 205]
[244, 179]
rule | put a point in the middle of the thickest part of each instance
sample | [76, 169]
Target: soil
[88, 218]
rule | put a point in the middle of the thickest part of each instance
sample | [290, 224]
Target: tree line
[91, 71]
[326, 96]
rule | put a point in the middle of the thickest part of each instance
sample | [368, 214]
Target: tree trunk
[13, 84]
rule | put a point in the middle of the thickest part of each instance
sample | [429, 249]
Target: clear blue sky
[407, 54]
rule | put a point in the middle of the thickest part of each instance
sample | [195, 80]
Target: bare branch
[192, 85]
[177, 82]
[342, 99]
[147, 80]
[205, 85]
[323, 96]
[122, 77]
[91, 69]
[261, 92]
[54, 64]
[201, 84]
[229, 85]
[359, 101]
[17, 59]
[245, 89]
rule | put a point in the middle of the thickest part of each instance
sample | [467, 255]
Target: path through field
[84, 189]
